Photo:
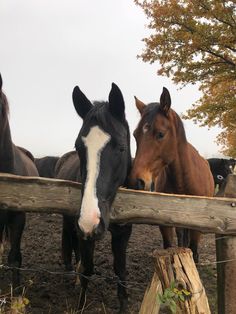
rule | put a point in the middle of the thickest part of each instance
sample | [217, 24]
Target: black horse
[221, 168]
[14, 160]
[103, 147]
[46, 166]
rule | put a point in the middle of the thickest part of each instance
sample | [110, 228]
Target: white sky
[48, 47]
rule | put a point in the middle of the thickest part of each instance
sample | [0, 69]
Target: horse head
[157, 139]
[103, 146]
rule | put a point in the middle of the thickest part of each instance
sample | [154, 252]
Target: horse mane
[4, 103]
[153, 109]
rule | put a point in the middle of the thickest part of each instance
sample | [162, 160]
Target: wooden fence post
[226, 259]
[180, 282]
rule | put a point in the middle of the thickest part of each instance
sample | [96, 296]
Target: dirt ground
[56, 294]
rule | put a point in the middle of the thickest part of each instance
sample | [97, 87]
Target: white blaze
[90, 214]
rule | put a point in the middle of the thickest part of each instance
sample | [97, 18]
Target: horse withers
[18, 161]
[103, 147]
[166, 161]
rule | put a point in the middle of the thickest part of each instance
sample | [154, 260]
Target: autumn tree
[195, 42]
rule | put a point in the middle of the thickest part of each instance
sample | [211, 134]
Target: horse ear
[81, 103]
[116, 102]
[140, 105]
[165, 101]
[0, 82]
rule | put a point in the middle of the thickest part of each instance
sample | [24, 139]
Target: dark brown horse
[164, 159]
[46, 166]
[68, 168]
[14, 160]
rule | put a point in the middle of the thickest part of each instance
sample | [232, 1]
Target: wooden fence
[208, 214]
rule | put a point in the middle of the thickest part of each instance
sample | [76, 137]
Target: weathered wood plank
[215, 215]
[226, 258]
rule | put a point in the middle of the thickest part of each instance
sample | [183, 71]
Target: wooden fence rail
[207, 214]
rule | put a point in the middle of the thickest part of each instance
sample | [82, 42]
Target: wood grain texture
[31, 194]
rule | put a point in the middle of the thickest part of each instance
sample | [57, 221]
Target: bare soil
[51, 292]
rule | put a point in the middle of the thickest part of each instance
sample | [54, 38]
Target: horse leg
[3, 220]
[120, 238]
[194, 242]
[76, 249]
[86, 267]
[182, 237]
[68, 226]
[167, 236]
[16, 225]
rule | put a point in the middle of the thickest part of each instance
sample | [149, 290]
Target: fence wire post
[226, 250]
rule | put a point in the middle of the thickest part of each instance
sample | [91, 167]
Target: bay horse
[102, 164]
[166, 161]
[18, 161]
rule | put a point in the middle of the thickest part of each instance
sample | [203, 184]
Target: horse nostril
[140, 184]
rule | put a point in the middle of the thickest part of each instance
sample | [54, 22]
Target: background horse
[221, 168]
[165, 160]
[103, 147]
[46, 166]
[14, 160]
[68, 168]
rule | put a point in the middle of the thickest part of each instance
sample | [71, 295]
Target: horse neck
[179, 170]
[6, 149]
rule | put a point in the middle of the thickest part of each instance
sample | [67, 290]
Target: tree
[195, 42]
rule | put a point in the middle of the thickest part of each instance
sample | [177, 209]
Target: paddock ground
[55, 293]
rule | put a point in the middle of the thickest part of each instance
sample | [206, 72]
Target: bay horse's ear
[165, 101]
[140, 105]
[116, 102]
[0, 82]
[81, 103]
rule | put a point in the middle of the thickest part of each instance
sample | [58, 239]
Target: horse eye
[159, 135]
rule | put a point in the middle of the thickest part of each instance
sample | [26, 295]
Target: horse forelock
[101, 116]
[153, 109]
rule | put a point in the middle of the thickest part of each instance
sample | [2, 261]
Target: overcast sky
[48, 47]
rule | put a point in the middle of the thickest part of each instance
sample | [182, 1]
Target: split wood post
[226, 259]
[177, 272]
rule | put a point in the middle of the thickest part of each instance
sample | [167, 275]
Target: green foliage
[16, 305]
[172, 296]
[195, 42]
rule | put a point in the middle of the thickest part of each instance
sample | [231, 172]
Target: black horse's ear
[81, 103]
[116, 102]
[0, 82]
[165, 101]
